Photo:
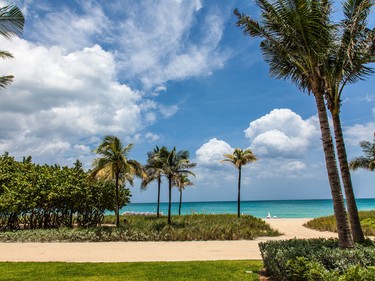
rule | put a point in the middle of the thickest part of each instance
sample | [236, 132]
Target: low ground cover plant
[317, 259]
[150, 228]
[328, 223]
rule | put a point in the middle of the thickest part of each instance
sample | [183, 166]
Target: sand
[155, 251]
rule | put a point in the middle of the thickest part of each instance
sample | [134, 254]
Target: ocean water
[260, 209]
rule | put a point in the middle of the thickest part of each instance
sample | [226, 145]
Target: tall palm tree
[239, 158]
[298, 36]
[365, 162]
[176, 163]
[181, 181]
[155, 170]
[347, 64]
[11, 24]
[113, 164]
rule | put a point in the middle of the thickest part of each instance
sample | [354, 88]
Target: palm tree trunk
[239, 193]
[345, 239]
[158, 207]
[170, 199]
[71, 218]
[179, 206]
[117, 211]
[355, 223]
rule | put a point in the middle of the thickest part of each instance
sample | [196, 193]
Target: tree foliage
[49, 196]
[11, 24]
[368, 160]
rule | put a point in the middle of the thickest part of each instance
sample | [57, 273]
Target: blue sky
[174, 73]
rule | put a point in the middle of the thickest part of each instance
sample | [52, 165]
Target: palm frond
[6, 80]
[5, 55]
[11, 21]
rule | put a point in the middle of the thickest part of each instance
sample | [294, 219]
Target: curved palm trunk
[179, 206]
[345, 239]
[117, 211]
[170, 199]
[355, 223]
[239, 193]
[158, 207]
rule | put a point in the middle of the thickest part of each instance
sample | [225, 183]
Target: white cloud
[58, 102]
[359, 132]
[212, 152]
[168, 111]
[158, 45]
[282, 168]
[368, 98]
[153, 41]
[283, 133]
[70, 29]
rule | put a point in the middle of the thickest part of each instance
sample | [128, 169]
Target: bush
[315, 259]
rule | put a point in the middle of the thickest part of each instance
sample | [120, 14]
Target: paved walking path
[155, 251]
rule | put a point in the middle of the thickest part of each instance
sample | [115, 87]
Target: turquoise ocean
[260, 209]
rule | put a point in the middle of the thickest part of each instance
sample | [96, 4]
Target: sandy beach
[155, 251]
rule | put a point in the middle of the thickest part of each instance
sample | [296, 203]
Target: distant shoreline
[261, 200]
[309, 208]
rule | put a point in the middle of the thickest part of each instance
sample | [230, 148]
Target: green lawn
[207, 270]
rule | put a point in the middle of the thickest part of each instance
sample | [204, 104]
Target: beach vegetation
[328, 223]
[188, 270]
[114, 165]
[239, 158]
[317, 259]
[155, 169]
[197, 227]
[50, 196]
[11, 24]
[301, 43]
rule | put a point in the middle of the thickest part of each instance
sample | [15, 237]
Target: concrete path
[154, 251]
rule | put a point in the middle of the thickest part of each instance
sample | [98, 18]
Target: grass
[197, 270]
[367, 219]
[148, 228]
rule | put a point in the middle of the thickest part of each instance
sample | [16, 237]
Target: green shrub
[301, 269]
[292, 259]
[358, 273]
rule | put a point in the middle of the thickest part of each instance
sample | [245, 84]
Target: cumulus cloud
[283, 133]
[59, 103]
[359, 132]
[212, 152]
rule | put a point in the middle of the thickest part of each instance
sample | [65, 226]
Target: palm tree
[181, 181]
[114, 165]
[239, 158]
[346, 64]
[298, 36]
[176, 163]
[11, 24]
[365, 162]
[155, 169]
